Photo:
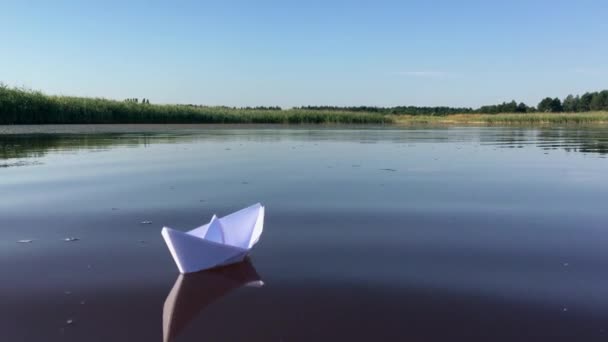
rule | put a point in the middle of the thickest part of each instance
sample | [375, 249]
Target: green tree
[584, 104]
[556, 106]
[549, 105]
[510, 107]
[545, 105]
[599, 101]
[521, 108]
[570, 103]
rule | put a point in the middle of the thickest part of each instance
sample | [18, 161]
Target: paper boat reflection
[221, 242]
[193, 292]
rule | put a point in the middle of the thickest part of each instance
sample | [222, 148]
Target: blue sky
[290, 53]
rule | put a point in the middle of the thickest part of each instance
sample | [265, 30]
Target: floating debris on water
[71, 239]
[25, 241]
[69, 321]
[83, 302]
[146, 222]
[564, 309]
[390, 170]
[566, 264]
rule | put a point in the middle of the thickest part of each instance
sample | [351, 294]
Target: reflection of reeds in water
[586, 140]
[37, 145]
[192, 292]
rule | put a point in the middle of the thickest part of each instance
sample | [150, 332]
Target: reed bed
[547, 118]
[507, 119]
[22, 106]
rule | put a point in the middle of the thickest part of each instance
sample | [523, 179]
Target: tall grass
[21, 106]
[507, 119]
[546, 118]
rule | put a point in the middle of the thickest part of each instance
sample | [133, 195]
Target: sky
[292, 53]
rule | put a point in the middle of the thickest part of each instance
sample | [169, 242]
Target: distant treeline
[588, 102]
[400, 110]
[22, 106]
[596, 101]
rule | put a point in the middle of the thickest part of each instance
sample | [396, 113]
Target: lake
[371, 233]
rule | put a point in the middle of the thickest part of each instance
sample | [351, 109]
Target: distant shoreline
[26, 107]
[528, 119]
[596, 119]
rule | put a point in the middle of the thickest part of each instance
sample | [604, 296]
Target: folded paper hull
[192, 254]
[223, 241]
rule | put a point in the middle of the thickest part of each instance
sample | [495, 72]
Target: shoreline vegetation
[21, 106]
[25, 107]
[586, 118]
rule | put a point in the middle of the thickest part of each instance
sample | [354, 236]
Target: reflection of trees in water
[583, 140]
[508, 138]
[37, 145]
[580, 140]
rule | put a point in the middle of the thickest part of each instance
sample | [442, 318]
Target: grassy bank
[18, 106]
[507, 119]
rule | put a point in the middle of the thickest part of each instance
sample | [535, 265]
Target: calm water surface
[459, 234]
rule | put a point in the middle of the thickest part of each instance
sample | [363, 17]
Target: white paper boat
[221, 242]
[193, 292]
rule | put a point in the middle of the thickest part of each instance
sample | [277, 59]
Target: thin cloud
[588, 71]
[424, 73]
